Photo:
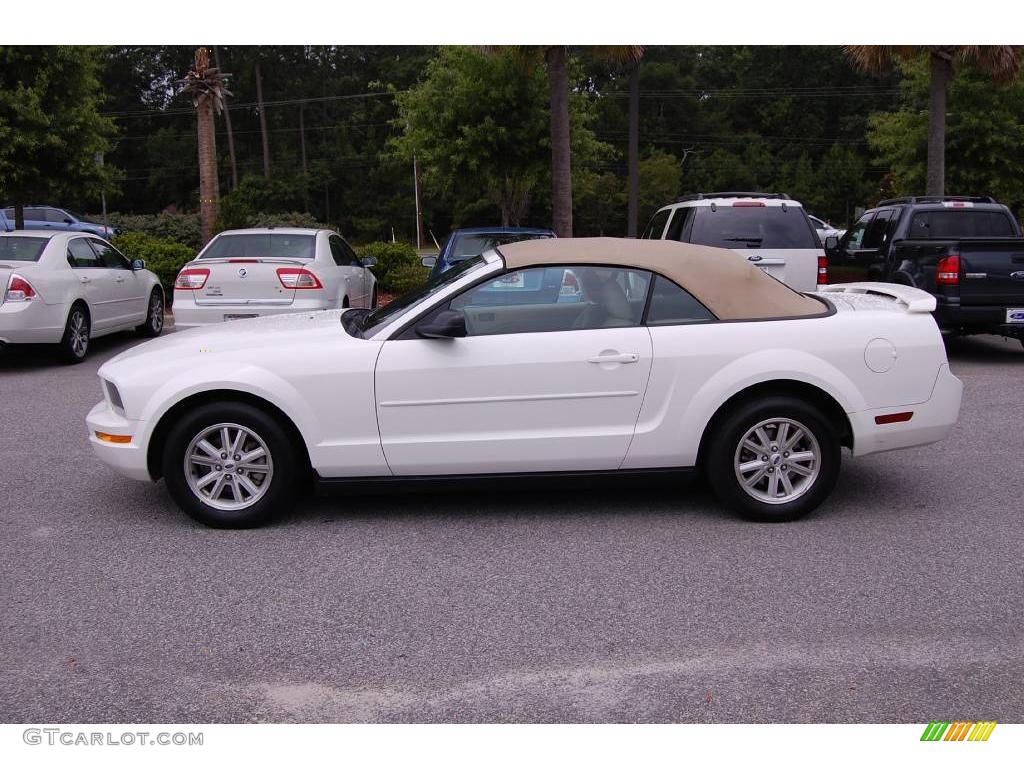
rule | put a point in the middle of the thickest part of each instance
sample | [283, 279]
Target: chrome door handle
[83, 279]
[119, 279]
[629, 357]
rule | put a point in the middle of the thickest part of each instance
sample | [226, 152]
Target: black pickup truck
[968, 252]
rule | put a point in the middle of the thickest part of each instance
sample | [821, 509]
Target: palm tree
[208, 88]
[556, 59]
[1000, 62]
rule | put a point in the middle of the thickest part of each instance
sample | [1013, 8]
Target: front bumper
[31, 322]
[932, 420]
[129, 459]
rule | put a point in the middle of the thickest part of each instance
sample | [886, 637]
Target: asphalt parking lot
[900, 600]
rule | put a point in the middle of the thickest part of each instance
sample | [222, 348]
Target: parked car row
[48, 218]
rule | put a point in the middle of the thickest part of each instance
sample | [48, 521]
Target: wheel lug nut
[764, 458]
[223, 455]
[785, 455]
[784, 466]
[770, 470]
[218, 467]
[237, 457]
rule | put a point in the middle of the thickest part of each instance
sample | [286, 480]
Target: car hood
[182, 347]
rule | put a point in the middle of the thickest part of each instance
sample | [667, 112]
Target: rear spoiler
[914, 299]
[253, 260]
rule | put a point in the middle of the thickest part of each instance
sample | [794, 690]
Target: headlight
[113, 396]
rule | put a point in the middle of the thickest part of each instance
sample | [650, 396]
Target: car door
[90, 272]
[121, 288]
[350, 269]
[534, 385]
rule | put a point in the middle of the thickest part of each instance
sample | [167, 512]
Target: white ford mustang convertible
[546, 356]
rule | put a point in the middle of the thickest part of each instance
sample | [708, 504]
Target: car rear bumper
[188, 314]
[129, 459]
[980, 318]
[31, 322]
[931, 421]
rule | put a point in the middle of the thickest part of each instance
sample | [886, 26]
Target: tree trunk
[263, 122]
[19, 215]
[634, 150]
[302, 146]
[941, 74]
[561, 156]
[227, 123]
[209, 194]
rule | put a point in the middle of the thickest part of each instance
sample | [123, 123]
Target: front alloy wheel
[230, 465]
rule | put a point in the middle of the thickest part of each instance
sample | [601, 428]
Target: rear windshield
[960, 222]
[265, 246]
[22, 248]
[474, 245]
[752, 227]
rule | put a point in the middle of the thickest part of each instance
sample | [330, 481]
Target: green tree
[984, 135]
[999, 62]
[478, 129]
[50, 127]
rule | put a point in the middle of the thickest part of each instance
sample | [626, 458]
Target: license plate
[515, 280]
[1015, 315]
[239, 317]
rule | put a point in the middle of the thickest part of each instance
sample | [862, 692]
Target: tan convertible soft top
[725, 282]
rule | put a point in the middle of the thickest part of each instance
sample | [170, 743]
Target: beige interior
[725, 282]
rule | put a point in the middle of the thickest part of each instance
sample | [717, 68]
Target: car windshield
[473, 245]
[755, 226]
[277, 245]
[369, 322]
[22, 248]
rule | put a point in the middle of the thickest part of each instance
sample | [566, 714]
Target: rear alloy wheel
[154, 324]
[229, 465]
[74, 344]
[775, 459]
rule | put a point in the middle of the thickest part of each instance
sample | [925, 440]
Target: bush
[179, 227]
[398, 268]
[162, 256]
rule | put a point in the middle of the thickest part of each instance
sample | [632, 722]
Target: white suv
[771, 230]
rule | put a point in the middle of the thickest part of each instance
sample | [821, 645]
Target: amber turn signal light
[113, 438]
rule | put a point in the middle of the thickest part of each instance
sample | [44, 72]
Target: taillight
[948, 270]
[822, 270]
[295, 277]
[191, 279]
[19, 289]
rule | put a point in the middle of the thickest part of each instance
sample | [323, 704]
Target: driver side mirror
[428, 261]
[447, 325]
[369, 261]
[138, 264]
[831, 243]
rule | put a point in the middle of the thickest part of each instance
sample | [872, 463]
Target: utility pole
[98, 157]
[419, 211]
[263, 122]
[227, 122]
[302, 144]
[634, 150]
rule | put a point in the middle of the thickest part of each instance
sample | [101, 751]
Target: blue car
[52, 219]
[465, 243]
[5, 224]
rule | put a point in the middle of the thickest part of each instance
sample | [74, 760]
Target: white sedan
[70, 287]
[677, 356]
[246, 273]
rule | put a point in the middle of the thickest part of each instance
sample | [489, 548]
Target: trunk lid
[992, 272]
[244, 281]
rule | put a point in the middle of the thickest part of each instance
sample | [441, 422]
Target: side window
[678, 223]
[55, 216]
[339, 252]
[875, 236]
[671, 305]
[353, 259]
[109, 257]
[80, 254]
[656, 225]
[546, 299]
[34, 214]
[855, 236]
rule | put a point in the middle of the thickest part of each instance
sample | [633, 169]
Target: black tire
[725, 454]
[154, 324]
[276, 497]
[74, 344]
